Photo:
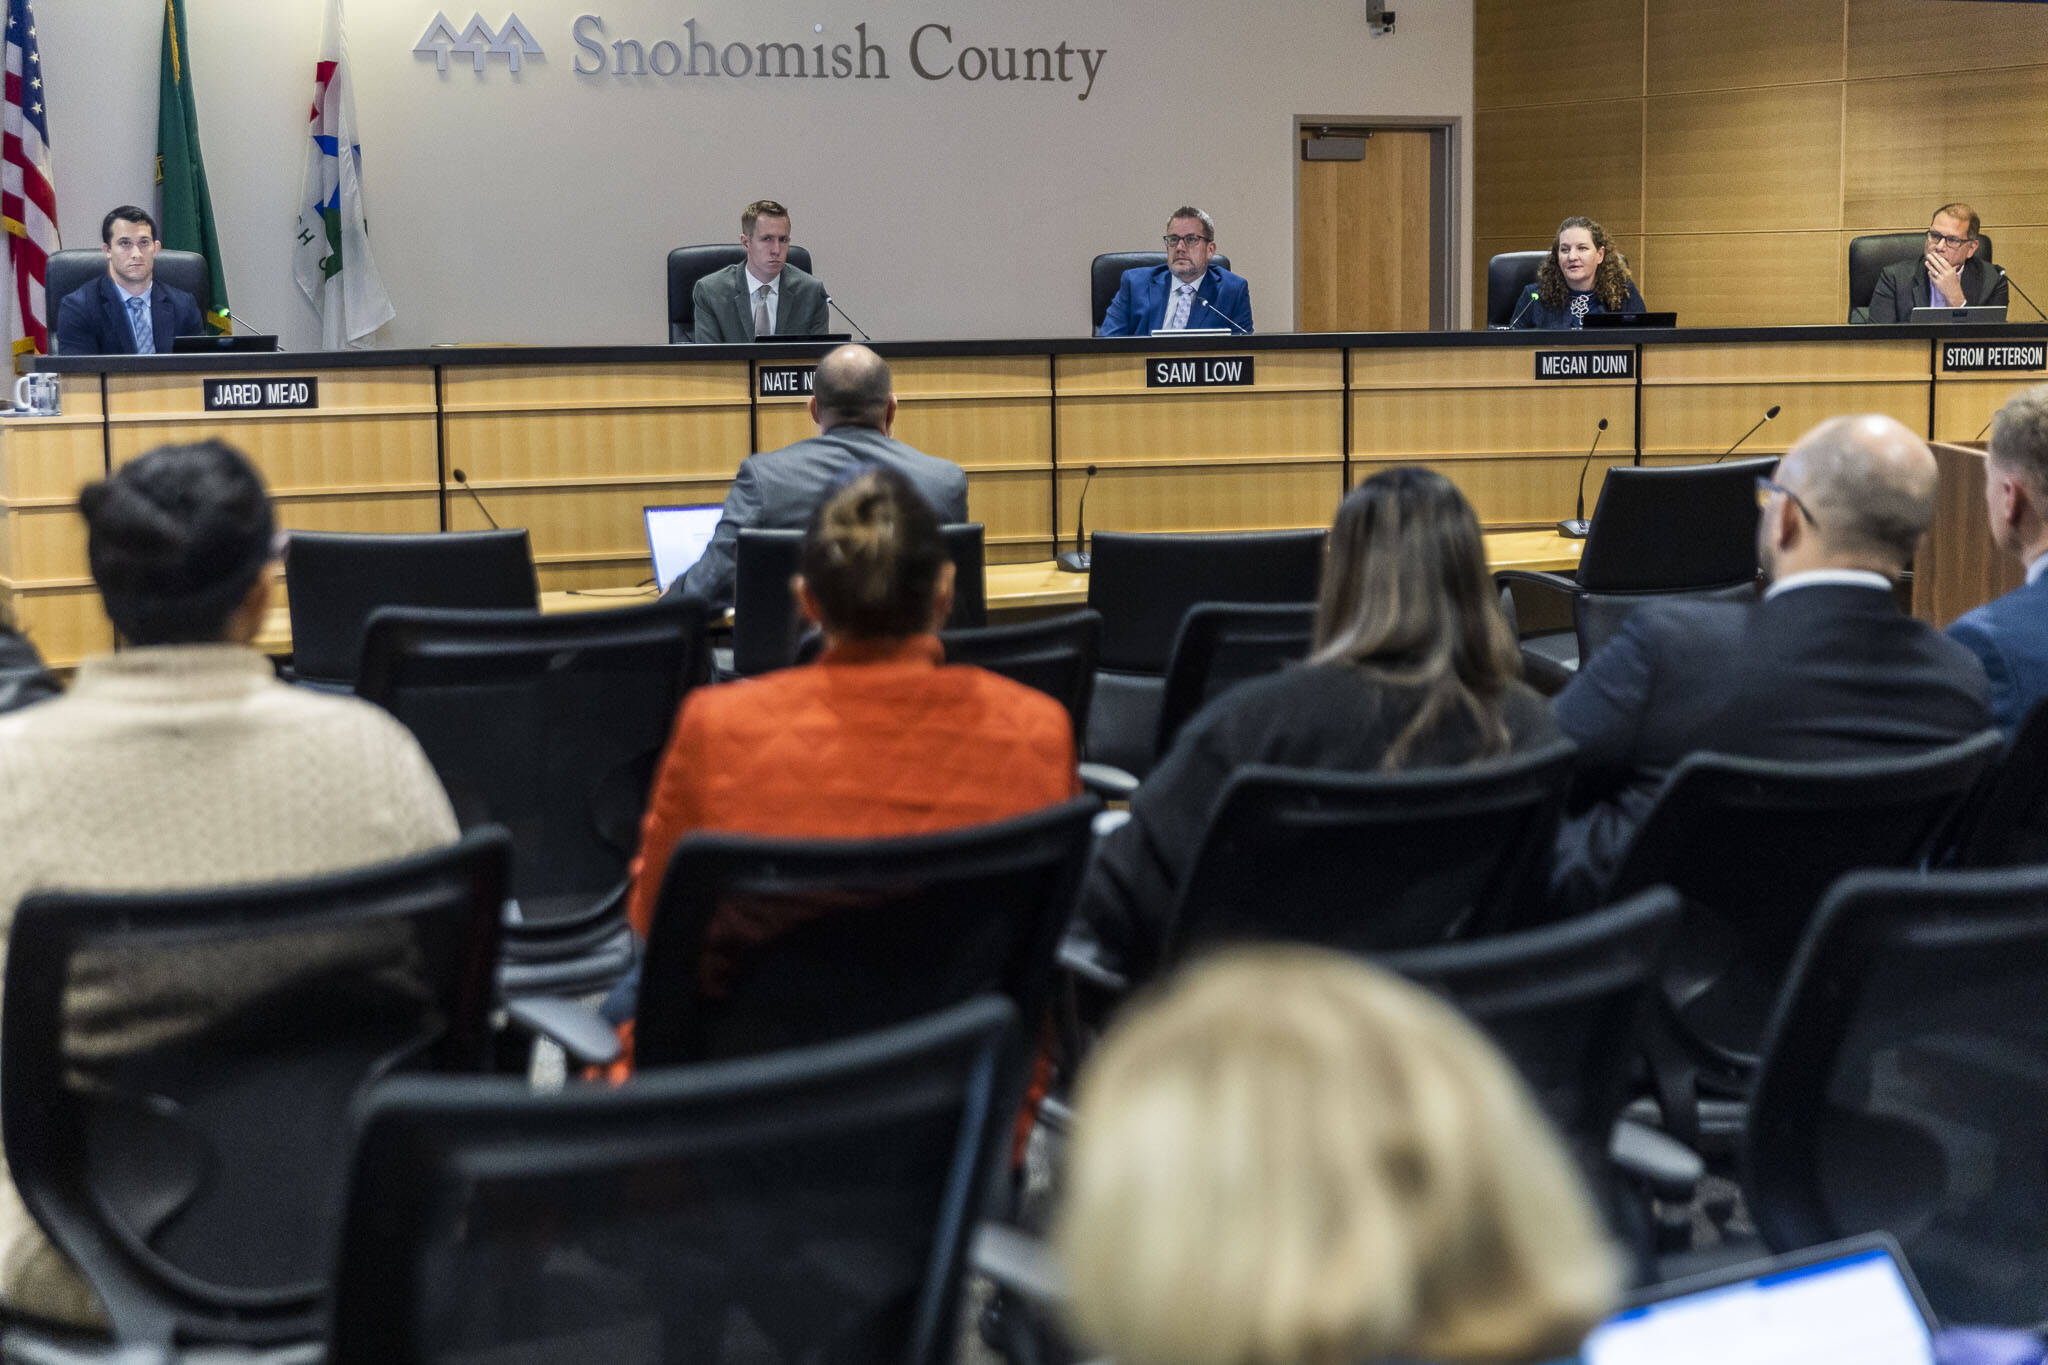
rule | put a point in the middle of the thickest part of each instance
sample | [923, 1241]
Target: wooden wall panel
[1557, 419]
[1526, 182]
[519, 388]
[1963, 405]
[342, 393]
[1750, 279]
[300, 454]
[1732, 160]
[1548, 54]
[1704, 420]
[50, 461]
[1210, 498]
[578, 444]
[987, 433]
[1510, 493]
[1741, 43]
[1918, 142]
[1902, 37]
[65, 624]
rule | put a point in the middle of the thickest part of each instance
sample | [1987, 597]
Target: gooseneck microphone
[1241, 331]
[1533, 294]
[2023, 293]
[241, 321]
[1986, 427]
[834, 304]
[463, 479]
[1076, 559]
[1769, 415]
[1576, 528]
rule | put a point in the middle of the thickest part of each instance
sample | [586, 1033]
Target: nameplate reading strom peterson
[1994, 355]
[1198, 372]
[784, 381]
[260, 395]
[1586, 364]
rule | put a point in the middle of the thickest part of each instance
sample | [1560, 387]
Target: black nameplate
[1994, 355]
[1198, 372]
[784, 381]
[261, 395]
[1586, 364]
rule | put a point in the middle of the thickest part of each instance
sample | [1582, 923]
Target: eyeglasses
[1173, 241]
[1764, 489]
[1943, 239]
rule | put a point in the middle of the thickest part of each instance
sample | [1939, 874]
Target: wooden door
[1366, 253]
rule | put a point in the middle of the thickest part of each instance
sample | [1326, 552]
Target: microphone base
[1073, 561]
[1574, 528]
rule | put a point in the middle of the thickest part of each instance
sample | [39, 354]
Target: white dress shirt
[774, 297]
[1834, 578]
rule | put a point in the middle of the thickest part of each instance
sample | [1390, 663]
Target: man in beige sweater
[181, 762]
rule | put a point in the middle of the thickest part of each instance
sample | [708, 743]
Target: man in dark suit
[1188, 291]
[2010, 636]
[126, 311]
[1949, 275]
[763, 297]
[1824, 667]
[854, 405]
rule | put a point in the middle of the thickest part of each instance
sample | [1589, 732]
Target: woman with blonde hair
[1584, 273]
[1290, 1157]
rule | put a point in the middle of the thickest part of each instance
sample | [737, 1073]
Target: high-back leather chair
[1869, 255]
[689, 264]
[1107, 271]
[1508, 277]
[74, 269]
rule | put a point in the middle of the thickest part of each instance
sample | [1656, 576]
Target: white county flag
[333, 263]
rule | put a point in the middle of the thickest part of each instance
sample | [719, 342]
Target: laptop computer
[226, 341]
[1964, 316]
[1854, 1300]
[677, 536]
[1597, 321]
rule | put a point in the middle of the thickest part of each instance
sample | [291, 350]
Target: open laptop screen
[1851, 1301]
[676, 536]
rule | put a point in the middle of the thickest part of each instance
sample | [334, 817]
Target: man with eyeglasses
[1948, 275]
[127, 311]
[1824, 667]
[1189, 292]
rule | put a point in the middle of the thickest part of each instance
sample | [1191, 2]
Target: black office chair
[1679, 531]
[1902, 1085]
[335, 580]
[1752, 844]
[689, 264]
[810, 1206]
[1143, 585]
[1869, 255]
[1106, 272]
[2007, 825]
[68, 270]
[823, 939]
[550, 726]
[1508, 277]
[769, 633]
[1056, 656]
[179, 1068]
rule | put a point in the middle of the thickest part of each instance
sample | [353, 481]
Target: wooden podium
[1958, 568]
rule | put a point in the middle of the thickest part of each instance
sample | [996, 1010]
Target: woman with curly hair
[1584, 274]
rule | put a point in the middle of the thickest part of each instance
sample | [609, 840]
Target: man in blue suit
[2010, 636]
[1185, 292]
[125, 311]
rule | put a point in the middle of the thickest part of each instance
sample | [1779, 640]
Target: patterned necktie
[138, 323]
[762, 327]
[1183, 303]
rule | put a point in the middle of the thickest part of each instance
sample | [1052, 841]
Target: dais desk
[1184, 433]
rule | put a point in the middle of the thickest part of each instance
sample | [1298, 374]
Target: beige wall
[538, 208]
[1734, 148]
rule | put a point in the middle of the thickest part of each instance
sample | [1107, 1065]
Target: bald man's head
[1869, 484]
[852, 386]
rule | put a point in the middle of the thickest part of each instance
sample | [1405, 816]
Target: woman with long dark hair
[1585, 273]
[1413, 667]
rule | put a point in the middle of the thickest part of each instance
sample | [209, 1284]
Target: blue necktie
[138, 322]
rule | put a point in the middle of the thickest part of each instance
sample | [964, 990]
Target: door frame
[1446, 172]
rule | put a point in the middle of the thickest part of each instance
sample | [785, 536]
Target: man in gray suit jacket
[764, 297]
[854, 404]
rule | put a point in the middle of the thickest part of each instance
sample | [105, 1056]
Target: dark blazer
[1315, 716]
[1822, 672]
[2010, 638]
[779, 489]
[725, 313]
[1140, 303]
[1903, 287]
[93, 319]
[1531, 313]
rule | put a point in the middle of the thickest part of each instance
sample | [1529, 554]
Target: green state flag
[180, 169]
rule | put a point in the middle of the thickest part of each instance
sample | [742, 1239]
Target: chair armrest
[1083, 959]
[1018, 1262]
[1540, 578]
[581, 1033]
[1671, 1169]
[1107, 781]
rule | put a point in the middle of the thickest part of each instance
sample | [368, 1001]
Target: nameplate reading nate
[260, 395]
[1578, 364]
[1198, 372]
[784, 381]
[1994, 355]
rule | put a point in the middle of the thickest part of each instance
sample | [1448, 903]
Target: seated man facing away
[1189, 291]
[854, 405]
[1824, 667]
[181, 762]
[2010, 636]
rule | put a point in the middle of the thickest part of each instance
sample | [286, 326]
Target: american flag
[28, 191]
